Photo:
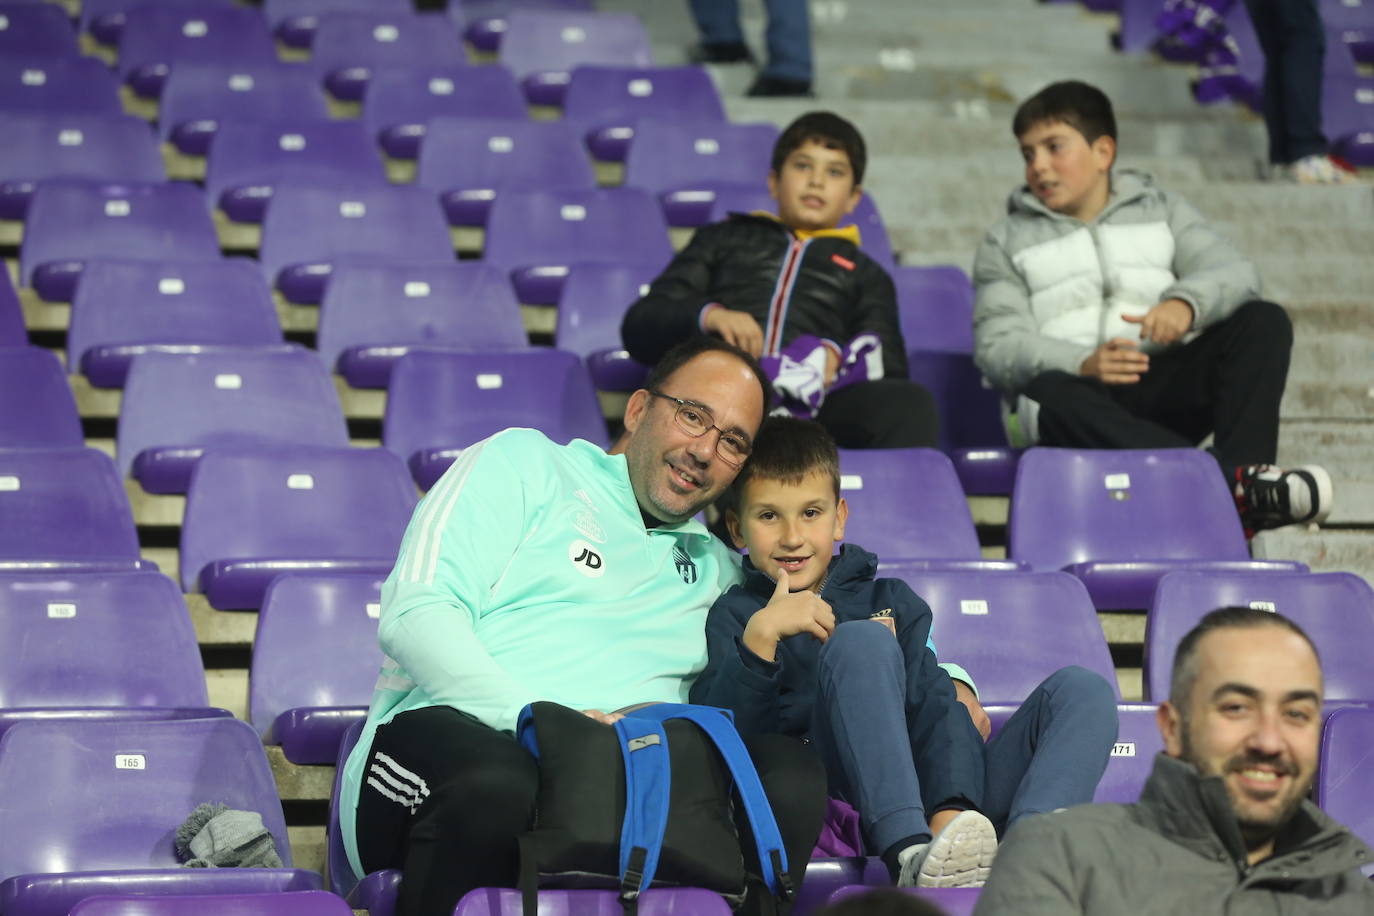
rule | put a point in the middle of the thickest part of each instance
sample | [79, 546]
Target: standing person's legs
[789, 40]
[886, 413]
[718, 22]
[444, 798]
[1294, 43]
[1053, 750]
[794, 781]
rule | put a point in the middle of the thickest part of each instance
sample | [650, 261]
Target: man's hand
[605, 718]
[964, 694]
[1116, 362]
[787, 614]
[1165, 323]
[735, 327]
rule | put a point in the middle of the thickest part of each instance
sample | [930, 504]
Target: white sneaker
[960, 855]
[1271, 497]
[1318, 169]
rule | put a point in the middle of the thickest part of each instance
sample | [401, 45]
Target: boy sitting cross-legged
[814, 645]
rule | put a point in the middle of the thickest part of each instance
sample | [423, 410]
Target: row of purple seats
[484, 22]
[66, 85]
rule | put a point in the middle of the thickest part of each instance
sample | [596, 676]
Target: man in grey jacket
[1223, 824]
[1111, 315]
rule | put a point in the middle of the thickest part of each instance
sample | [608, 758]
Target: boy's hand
[735, 327]
[1116, 362]
[787, 614]
[1166, 322]
[605, 718]
[964, 694]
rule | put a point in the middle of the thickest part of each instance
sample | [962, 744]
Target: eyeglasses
[696, 421]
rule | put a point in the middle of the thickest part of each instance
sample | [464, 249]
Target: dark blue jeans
[1294, 43]
[1050, 754]
[788, 36]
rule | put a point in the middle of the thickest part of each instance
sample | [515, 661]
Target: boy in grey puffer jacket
[1111, 315]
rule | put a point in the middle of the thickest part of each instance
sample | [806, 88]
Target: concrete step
[1324, 550]
[1344, 450]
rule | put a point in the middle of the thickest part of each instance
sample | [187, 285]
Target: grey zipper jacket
[1051, 288]
[1176, 851]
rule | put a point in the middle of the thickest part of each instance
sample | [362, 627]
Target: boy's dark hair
[1184, 673]
[787, 449]
[829, 130]
[1083, 107]
[693, 347]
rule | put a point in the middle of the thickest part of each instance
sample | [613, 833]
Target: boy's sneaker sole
[961, 855]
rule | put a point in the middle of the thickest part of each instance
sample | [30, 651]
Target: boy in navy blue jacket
[805, 647]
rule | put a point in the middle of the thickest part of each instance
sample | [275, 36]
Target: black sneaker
[779, 87]
[1271, 497]
[728, 52]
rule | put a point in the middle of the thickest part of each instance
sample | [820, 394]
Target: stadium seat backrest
[37, 409]
[283, 903]
[272, 153]
[552, 40]
[1346, 770]
[601, 95]
[74, 145]
[462, 153]
[59, 84]
[63, 505]
[295, 21]
[36, 29]
[670, 153]
[906, 504]
[407, 99]
[349, 38]
[198, 97]
[567, 227]
[156, 39]
[595, 297]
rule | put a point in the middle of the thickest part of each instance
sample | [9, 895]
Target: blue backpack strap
[524, 731]
[719, 725]
[648, 781]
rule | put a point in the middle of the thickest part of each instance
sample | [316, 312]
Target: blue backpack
[647, 802]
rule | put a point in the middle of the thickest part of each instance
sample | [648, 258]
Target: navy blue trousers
[788, 36]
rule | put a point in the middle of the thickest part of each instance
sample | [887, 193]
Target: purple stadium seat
[156, 39]
[94, 146]
[663, 901]
[37, 409]
[1137, 31]
[105, 19]
[98, 647]
[683, 162]
[538, 235]
[543, 46]
[36, 29]
[305, 703]
[253, 513]
[285, 903]
[70, 222]
[906, 505]
[826, 876]
[90, 808]
[1336, 610]
[373, 314]
[58, 85]
[754, 196]
[1133, 756]
[607, 102]
[178, 406]
[65, 510]
[1350, 22]
[594, 300]
[307, 230]
[400, 102]
[196, 99]
[1119, 519]
[469, 160]
[440, 402]
[952, 901]
[133, 307]
[12, 330]
[1348, 117]
[295, 21]
[1013, 630]
[935, 305]
[348, 46]
[1345, 771]
[247, 160]
[484, 21]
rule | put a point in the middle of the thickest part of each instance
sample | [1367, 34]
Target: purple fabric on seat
[746, 198]
[440, 402]
[349, 45]
[248, 159]
[470, 160]
[286, 903]
[1128, 513]
[607, 102]
[539, 235]
[40, 29]
[1010, 630]
[37, 409]
[1335, 609]
[105, 19]
[1345, 770]
[372, 314]
[133, 307]
[952, 901]
[400, 102]
[295, 21]
[70, 222]
[52, 85]
[156, 39]
[683, 162]
[307, 230]
[594, 300]
[100, 147]
[663, 901]
[63, 508]
[253, 513]
[543, 46]
[305, 704]
[90, 807]
[198, 98]
[176, 406]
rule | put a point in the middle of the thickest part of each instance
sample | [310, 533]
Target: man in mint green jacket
[534, 571]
